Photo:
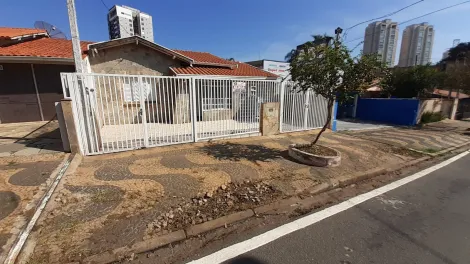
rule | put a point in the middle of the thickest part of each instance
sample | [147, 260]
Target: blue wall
[388, 111]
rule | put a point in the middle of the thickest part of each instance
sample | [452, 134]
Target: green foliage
[412, 82]
[458, 76]
[458, 52]
[430, 117]
[330, 71]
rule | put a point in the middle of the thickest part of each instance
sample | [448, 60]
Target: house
[137, 56]
[31, 63]
[30, 67]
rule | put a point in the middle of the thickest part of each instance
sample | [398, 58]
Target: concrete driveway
[347, 125]
[29, 138]
[430, 138]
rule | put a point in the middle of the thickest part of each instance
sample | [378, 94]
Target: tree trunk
[328, 120]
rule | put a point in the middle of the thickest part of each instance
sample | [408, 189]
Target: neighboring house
[445, 93]
[280, 68]
[30, 67]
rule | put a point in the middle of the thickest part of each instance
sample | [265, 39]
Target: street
[424, 221]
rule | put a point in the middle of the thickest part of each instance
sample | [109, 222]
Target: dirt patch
[402, 151]
[227, 199]
[3, 241]
[318, 150]
[8, 203]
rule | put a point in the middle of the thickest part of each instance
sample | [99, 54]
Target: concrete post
[270, 118]
[70, 125]
[454, 108]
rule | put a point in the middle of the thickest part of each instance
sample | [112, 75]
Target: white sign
[277, 67]
[239, 87]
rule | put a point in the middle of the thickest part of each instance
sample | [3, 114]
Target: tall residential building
[381, 38]
[124, 21]
[416, 45]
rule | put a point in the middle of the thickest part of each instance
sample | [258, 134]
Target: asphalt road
[425, 221]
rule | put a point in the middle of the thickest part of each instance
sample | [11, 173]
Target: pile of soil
[225, 200]
[317, 150]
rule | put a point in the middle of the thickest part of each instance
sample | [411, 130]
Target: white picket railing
[123, 112]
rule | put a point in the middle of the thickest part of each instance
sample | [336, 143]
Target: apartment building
[416, 45]
[124, 21]
[381, 38]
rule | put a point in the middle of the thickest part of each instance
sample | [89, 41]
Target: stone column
[70, 125]
[454, 109]
[270, 118]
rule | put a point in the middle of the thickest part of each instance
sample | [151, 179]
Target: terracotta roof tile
[44, 47]
[204, 57]
[6, 32]
[238, 69]
[445, 93]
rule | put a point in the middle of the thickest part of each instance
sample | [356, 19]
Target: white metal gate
[301, 110]
[227, 107]
[124, 112]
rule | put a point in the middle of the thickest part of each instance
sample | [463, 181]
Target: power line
[384, 16]
[427, 14]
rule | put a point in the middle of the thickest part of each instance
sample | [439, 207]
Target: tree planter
[312, 159]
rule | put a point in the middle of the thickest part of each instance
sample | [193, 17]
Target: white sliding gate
[302, 110]
[123, 112]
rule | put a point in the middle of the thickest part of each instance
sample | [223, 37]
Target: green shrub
[429, 117]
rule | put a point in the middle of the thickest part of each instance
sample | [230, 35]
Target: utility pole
[77, 51]
[338, 32]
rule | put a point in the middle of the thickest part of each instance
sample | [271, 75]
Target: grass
[430, 150]
[430, 117]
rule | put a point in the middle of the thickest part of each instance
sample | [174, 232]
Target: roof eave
[138, 40]
[31, 59]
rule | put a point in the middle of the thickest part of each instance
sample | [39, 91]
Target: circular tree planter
[297, 152]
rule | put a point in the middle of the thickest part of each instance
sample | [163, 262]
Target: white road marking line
[271, 235]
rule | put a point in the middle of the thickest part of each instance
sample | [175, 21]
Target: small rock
[164, 223]
[230, 203]
[223, 187]
[209, 194]
[171, 216]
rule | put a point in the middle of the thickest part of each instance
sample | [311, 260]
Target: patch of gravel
[227, 199]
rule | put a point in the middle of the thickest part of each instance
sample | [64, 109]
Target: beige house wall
[166, 101]
[438, 105]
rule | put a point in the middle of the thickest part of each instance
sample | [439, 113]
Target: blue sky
[244, 29]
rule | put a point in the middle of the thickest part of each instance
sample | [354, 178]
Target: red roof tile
[204, 57]
[445, 93]
[6, 32]
[44, 47]
[238, 69]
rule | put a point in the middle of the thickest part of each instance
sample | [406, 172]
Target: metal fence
[123, 112]
[302, 110]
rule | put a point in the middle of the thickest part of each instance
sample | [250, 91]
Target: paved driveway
[29, 138]
[429, 139]
[345, 125]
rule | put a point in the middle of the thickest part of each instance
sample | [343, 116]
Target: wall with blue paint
[333, 119]
[393, 111]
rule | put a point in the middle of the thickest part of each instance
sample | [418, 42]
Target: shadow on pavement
[245, 260]
[237, 152]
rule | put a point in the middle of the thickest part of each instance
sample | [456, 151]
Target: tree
[317, 40]
[412, 82]
[331, 71]
[458, 76]
[458, 52]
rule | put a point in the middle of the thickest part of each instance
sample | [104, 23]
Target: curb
[278, 207]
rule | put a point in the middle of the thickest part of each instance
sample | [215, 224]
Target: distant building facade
[280, 68]
[381, 38]
[124, 21]
[416, 45]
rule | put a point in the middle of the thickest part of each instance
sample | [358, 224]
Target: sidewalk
[23, 181]
[115, 200]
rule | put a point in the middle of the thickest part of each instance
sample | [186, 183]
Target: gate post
[144, 112]
[66, 105]
[281, 107]
[193, 108]
[306, 105]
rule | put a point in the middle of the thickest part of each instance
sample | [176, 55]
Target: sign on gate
[239, 87]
